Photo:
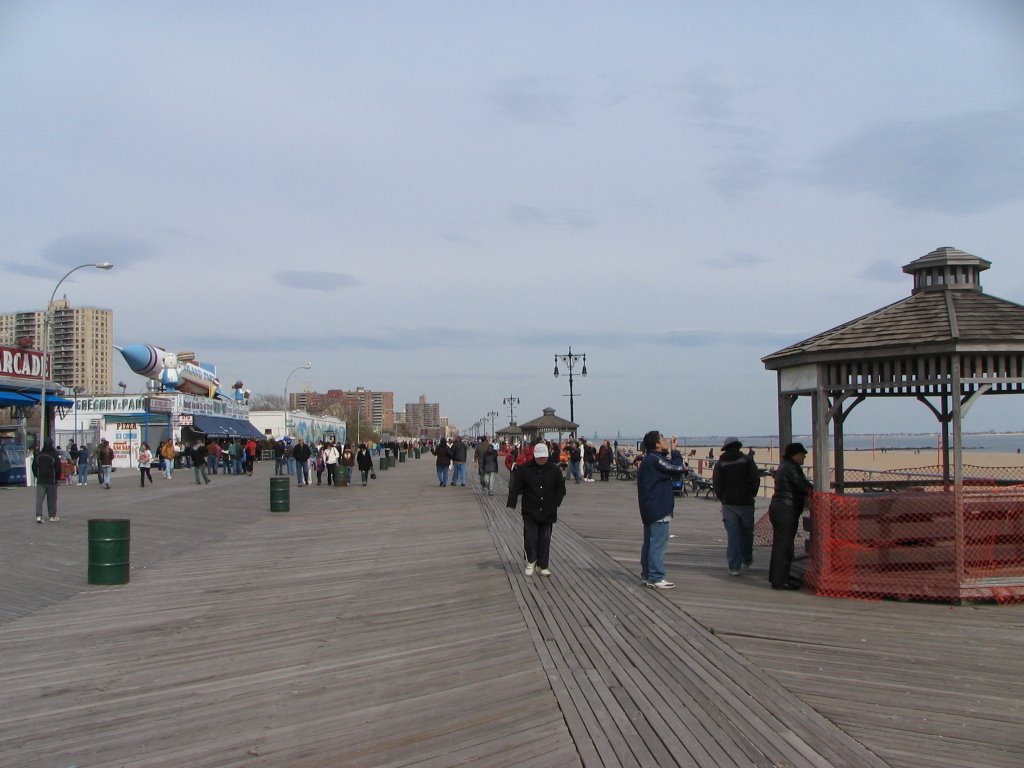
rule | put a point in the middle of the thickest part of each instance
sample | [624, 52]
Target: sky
[438, 198]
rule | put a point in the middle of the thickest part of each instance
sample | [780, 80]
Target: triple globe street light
[47, 323]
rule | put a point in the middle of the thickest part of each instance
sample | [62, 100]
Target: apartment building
[81, 348]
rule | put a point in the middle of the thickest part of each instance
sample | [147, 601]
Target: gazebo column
[958, 472]
[785, 402]
[820, 410]
[839, 415]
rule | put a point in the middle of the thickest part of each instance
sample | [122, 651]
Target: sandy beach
[881, 460]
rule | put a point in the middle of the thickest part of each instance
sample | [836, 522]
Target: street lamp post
[46, 346]
[570, 361]
[511, 401]
[77, 391]
[304, 366]
[491, 415]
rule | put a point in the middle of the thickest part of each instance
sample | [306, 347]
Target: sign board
[798, 379]
[21, 363]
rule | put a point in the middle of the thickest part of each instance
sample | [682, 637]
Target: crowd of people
[539, 472]
[539, 483]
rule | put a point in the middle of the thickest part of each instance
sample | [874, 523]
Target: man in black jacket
[542, 487]
[301, 454]
[736, 480]
[46, 469]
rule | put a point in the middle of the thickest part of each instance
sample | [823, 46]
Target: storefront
[21, 378]
[312, 429]
[127, 421]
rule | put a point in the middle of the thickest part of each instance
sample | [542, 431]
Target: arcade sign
[21, 363]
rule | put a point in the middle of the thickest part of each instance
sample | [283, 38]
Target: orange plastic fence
[927, 545]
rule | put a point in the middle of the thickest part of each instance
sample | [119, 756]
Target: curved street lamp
[46, 346]
[303, 367]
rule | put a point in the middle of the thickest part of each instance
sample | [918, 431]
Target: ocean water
[990, 442]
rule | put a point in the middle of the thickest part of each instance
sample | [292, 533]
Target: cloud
[420, 338]
[120, 250]
[736, 260]
[527, 100]
[962, 165]
[718, 108]
[28, 270]
[532, 216]
[72, 250]
[315, 281]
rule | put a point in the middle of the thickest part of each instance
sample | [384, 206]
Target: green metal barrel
[109, 551]
[279, 494]
[401, 457]
[391, 460]
[341, 479]
[383, 463]
[417, 452]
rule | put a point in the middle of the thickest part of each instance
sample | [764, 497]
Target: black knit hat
[793, 449]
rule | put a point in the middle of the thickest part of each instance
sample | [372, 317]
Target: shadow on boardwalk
[392, 625]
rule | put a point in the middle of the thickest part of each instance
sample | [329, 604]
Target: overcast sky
[437, 197]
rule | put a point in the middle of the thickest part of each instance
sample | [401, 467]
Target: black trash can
[341, 478]
[391, 460]
[280, 494]
[109, 551]
[401, 457]
[417, 452]
[383, 463]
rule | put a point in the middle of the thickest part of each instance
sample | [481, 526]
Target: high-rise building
[424, 419]
[81, 343]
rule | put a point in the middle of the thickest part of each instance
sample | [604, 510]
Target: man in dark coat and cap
[542, 487]
[736, 480]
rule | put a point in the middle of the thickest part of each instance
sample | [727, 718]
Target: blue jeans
[652, 556]
[105, 474]
[739, 531]
[83, 473]
[442, 475]
[574, 470]
[459, 473]
[302, 470]
[238, 465]
[291, 465]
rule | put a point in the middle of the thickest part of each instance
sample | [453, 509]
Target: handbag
[373, 475]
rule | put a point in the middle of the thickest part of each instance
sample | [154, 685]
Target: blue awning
[16, 399]
[32, 398]
[219, 426]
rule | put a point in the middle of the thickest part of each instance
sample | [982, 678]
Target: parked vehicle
[12, 464]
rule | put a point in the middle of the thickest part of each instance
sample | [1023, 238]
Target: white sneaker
[545, 572]
[529, 569]
[660, 584]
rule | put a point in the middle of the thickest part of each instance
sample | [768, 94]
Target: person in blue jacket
[661, 465]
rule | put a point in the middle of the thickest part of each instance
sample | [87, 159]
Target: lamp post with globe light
[46, 346]
[305, 366]
[570, 361]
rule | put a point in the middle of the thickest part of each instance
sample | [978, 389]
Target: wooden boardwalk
[392, 626]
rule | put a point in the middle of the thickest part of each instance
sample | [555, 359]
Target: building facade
[376, 408]
[424, 419]
[81, 348]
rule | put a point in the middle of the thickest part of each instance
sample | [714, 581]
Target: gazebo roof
[511, 430]
[550, 423]
[946, 312]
